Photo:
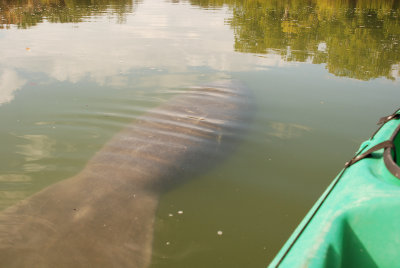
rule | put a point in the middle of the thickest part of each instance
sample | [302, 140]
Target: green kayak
[356, 222]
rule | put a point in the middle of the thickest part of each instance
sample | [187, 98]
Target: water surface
[73, 73]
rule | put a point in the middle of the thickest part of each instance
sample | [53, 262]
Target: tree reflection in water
[356, 39]
[28, 13]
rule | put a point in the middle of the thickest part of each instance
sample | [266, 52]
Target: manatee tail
[79, 223]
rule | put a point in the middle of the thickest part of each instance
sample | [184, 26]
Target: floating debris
[180, 212]
[219, 233]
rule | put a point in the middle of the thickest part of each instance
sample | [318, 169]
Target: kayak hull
[356, 222]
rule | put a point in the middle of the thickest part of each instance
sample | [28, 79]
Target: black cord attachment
[379, 146]
[386, 119]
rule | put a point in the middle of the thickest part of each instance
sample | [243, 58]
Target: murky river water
[320, 73]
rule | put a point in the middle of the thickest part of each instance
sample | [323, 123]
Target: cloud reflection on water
[107, 53]
[34, 149]
[10, 82]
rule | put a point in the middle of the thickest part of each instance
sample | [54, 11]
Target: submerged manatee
[103, 216]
